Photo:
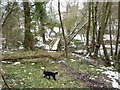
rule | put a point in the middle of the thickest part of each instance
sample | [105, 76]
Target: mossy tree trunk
[41, 17]
[28, 36]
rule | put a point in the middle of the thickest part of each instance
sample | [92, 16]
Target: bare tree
[63, 32]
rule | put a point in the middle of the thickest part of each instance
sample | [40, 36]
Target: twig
[3, 77]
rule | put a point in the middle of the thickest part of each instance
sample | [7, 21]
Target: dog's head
[56, 72]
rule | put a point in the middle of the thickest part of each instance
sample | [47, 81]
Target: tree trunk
[94, 22]
[110, 37]
[117, 52]
[88, 28]
[104, 19]
[43, 32]
[63, 33]
[118, 34]
[28, 38]
[107, 60]
[118, 58]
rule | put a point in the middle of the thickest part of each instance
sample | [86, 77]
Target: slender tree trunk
[118, 60]
[107, 60]
[51, 31]
[43, 32]
[104, 19]
[111, 51]
[118, 34]
[94, 21]
[63, 33]
[88, 28]
[28, 39]
[117, 51]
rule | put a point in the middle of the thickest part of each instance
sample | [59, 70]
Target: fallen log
[14, 58]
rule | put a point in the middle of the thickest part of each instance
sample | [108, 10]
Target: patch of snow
[112, 63]
[72, 60]
[108, 46]
[52, 62]
[24, 70]
[5, 62]
[75, 55]
[51, 51]
[16, 63]
[92, 78]
[101, 52]
[21, 47]
[56, 29]
[80, 37]
[56, 44]
[30, 73]
[107, 37]
[58, 61]
[113, 75]
[40, 43]
[91, 65]
[61, 61]
[99, 70]
[32, 63]
[47, 47]
[81, 51]
[88, 59]
[73, 46]
[7, 52]
[111, 57]
[21, 83]
[2, 39]
[42, 67]
[43, 45]
[108, 49]
[87, 56]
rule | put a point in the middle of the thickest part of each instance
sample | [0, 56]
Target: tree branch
[3, 77]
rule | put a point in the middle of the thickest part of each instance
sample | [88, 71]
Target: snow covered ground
[80, 37]
[109, 71]
[107, 37]
[113, 75]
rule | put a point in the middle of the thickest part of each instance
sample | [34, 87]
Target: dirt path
[82, 77]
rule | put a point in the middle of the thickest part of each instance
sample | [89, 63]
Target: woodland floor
[71, 74]
[82, 77]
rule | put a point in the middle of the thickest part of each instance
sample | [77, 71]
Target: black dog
[47, 73]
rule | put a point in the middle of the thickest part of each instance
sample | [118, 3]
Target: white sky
[64, 3]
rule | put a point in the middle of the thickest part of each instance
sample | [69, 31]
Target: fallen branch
[14, 58]
[3, 77]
